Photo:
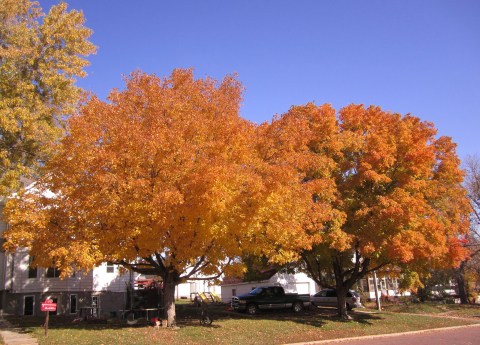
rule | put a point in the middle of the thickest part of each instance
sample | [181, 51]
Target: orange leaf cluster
[168, 169]
[380, 183]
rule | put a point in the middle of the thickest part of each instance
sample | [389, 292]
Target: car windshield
[256, 291]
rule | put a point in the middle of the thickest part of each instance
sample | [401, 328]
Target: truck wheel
[297, 307]
[349, 307]
[252, 309]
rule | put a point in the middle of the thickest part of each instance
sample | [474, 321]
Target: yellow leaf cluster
[41, 56]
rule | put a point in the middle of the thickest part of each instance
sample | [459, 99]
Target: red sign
[49, 306]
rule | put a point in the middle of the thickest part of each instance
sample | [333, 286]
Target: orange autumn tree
[384, 191]
[162, 179]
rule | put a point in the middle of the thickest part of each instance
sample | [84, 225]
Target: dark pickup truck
[269, 297]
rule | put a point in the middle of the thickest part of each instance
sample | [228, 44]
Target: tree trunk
[341, 304]
[422, 294]
[462, 287]
[169, 302]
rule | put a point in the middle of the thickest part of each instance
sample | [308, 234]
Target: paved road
[463, 335]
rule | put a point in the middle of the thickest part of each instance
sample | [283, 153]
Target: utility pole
[377, 297]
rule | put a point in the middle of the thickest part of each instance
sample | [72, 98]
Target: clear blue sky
[407, 56]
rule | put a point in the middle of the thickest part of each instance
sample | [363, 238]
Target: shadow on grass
[316, 317]
[189, 316]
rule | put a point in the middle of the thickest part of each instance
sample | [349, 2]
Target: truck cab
[269, 297]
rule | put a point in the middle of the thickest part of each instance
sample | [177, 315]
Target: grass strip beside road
[453, 310]
[234, 328]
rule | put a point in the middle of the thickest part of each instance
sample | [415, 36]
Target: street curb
[389, 335]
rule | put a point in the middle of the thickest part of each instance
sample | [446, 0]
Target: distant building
[387, 287]
[298, 283]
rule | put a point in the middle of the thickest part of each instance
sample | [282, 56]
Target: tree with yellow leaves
[40, 58]
[162, 179]
[384, 191]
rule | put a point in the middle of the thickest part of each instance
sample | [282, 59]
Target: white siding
[22, 284]
[185, 289]
[298, 283]
[230, 290]
[114, 282]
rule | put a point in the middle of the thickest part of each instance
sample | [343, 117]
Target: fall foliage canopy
[163, 179]
[384, 190]
[166, 178]
[40, 58]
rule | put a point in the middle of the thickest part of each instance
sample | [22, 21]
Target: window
[371, 284]
[234, 292]
[28, 305]
[32, 271]
[362, 285]
[54, 300]
[73, 304]
[95, 305]
[52, 272]
[110, 267]
[331, 293]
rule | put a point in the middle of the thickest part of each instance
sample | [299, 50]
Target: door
[332, 298]
[95, 305]
[28, 305]
[277, 298]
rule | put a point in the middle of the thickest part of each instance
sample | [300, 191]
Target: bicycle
[205, 317]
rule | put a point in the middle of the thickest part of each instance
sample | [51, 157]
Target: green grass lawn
[454, 310]
[234, 328]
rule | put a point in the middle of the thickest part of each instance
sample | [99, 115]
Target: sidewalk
[15, 336]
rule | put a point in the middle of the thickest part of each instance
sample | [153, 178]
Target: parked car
[269, 297]
[328, 298]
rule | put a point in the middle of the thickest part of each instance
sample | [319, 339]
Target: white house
[298, 282]
[103, 290]
[387, 287]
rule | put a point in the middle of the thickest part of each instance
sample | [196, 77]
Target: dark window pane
[29, 303]
[73, 304]
[32, 272]
[52, 272]
[331, 293]
[110, 267]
